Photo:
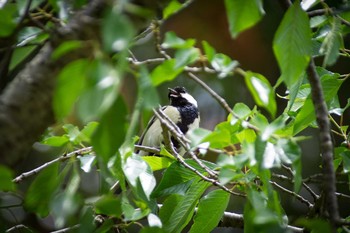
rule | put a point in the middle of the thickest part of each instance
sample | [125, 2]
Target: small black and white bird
[183, 111]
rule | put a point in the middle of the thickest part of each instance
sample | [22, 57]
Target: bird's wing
[148, 126]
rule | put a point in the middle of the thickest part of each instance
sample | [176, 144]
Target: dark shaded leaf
[243, 14]
[292, 44]
[210, 210]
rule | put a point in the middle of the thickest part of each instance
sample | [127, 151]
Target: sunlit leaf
[136, 171]
[70, 84]
[173, 7]
[65, 48]
[292, 44]
[185, 57]
[153, 220]
[158, 163]
[223, 64]
[261, 91]
[171, 40]
[243, 14]
[87, 162]
[166, 71]
[208, 50]
[56, 141]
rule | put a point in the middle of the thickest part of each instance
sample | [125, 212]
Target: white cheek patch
[189, 98]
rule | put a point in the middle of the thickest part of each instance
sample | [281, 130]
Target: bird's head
[178, 97]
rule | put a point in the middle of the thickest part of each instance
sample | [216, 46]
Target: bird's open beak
[172, 92]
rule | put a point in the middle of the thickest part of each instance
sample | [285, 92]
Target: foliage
[258, 158]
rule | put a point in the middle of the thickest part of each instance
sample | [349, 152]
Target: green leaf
[262, 92]
[41, 191]
[304, 117]
[219, 61]
[73, 133]
[110, 133]
[262, 216]
[154, 220]
[152, 230]
[168, 206]
[22, 5]
[139, 175]
[86, 220]
[243, 14]
[6, 176]
[7, 20]
[87, 162]
[316, 225]
[70, 84]
[185, 57]
[208, 50]
[88, 130]
[109, 205]
[330, 85]
[210, 210]
[166, 71]
[158, 163]
[332, 43]
[182, 213]
[56, 141]
[148, 93]
[173, 7]
[292, 44]
[223, 64]
[117, 31]
[177, 178]
[65, 48]
[100, 93]
[196, 136]
[66, 204]
[171, 40]
[346, 161]
[130, 213]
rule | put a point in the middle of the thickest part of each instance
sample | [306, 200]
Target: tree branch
[326, 145]
[64, 157]
[26, 103]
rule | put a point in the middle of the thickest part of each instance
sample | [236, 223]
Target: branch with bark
[26, 102]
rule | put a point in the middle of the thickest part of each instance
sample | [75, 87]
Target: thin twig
[297, 196]
[313, 194]
[63, 157]
[184, 143]
[167, 127]
[149, 149]
[67, 229]
[17, 228]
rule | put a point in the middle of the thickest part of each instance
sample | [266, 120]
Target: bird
[182, 110]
